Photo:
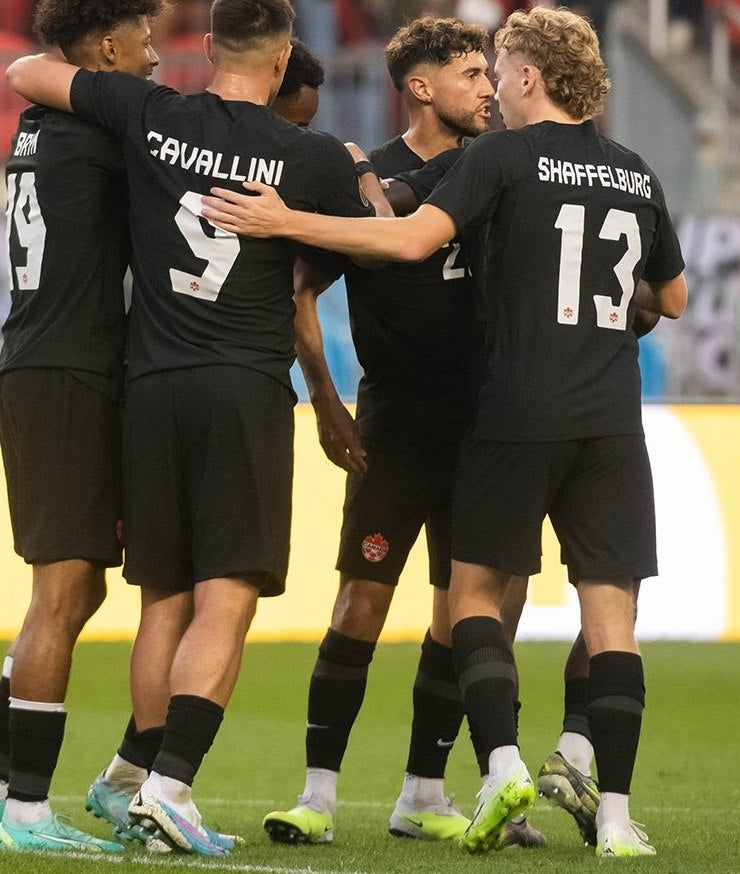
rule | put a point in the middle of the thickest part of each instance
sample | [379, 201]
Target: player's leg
[422, 809]
[204, 671]
[497, 524]
[59, 441]
[165, 615]
[605, 519]
[384, 510]
[486, 673]
[565, 777]
[617, 699]
[4, 726]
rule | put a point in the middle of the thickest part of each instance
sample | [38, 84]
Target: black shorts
[207, 475]
[598, 494]
[61, 447]
[407, 485]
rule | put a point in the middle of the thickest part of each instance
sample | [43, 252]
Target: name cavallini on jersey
[571, 173]
[26, 144]
[209, 163]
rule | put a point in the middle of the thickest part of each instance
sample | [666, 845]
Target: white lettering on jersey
[568, 173]
[26, 144]
[208, 163]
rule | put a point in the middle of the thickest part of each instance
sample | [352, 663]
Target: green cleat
[301, 825]
[567, 787]
[614, 841]
[54, 833]
[442, 822]
[497, 805]
[521, 833]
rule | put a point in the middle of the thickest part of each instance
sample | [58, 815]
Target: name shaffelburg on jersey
[570, 173]
[209, 163]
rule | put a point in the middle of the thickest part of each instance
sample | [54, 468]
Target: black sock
[5, 728]
[575, 716]
[35, 740]
[615, 716]
[438, 711]
[141, 747]
[335, 696]
[485, 668]
[192, 724]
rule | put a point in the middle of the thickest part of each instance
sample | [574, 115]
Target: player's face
[133, 45]
[462, 94]
[299, 108]
[507, 77]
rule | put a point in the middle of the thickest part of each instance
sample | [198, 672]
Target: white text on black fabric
[571, 173]
[206, 162]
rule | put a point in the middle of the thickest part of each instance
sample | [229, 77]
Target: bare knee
[361, 608]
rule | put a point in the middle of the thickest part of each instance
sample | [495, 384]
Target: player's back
[68, 246]
[202, 295]
[573, 227]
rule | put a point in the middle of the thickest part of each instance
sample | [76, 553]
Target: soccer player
[572, 221]
[414, 332]
[298, 97]
[208, 413]
[60, 383]
[111, 792]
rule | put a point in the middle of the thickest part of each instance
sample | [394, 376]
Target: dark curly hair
[304, 68]
[64, 23]
[239, 25]
[430, 40]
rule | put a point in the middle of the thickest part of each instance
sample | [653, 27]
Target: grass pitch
[685, 788]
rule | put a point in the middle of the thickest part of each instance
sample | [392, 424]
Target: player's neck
[429, 140]
[241, 87]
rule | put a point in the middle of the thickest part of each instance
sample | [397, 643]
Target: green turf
[685, 788]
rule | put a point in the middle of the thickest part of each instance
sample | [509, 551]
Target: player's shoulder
[63, 133]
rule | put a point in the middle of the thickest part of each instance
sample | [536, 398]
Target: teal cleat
[110, 804]
[578, 794]
[54, 833]
[301, 825]
[498, 804]
[164, 823]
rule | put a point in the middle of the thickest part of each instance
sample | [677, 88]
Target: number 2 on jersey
[220, 251]
[24, 216]
[618, 223]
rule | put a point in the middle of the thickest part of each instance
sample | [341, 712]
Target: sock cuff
[616, 674]
[36, 706]
[436, 660]
[348, 651]
[479, 632]
[195, 702]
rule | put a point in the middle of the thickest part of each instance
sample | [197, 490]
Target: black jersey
[573, 220]
[69, 247]
[411, 326]
[201, 295]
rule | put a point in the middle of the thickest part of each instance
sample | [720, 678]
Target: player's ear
[282, 61]
[107, 49]
[419, 88]
[529, 78]
[208, 47]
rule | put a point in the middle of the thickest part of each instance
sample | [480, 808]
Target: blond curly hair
[565, 49]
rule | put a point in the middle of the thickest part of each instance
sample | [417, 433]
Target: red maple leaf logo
[194, 286]
[613, 317]
[375, 547]
[568, 313]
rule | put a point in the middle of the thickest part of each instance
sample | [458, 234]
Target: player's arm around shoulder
[45, 79]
